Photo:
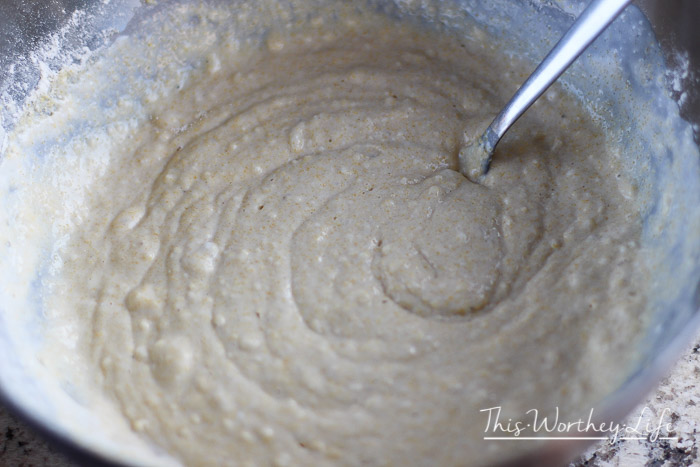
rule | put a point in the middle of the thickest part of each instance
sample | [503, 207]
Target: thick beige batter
[285, 266]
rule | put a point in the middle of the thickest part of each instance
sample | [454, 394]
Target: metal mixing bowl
[41, 36]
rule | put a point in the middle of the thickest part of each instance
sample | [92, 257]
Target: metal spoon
[475, 156]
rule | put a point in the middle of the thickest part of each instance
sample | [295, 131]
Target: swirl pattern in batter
[284, 264]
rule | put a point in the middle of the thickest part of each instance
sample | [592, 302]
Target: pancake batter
[283, 265]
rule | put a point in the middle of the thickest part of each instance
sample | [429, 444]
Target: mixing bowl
[638, 78]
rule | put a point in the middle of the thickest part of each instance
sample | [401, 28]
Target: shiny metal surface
[675, 23]
[587, 27]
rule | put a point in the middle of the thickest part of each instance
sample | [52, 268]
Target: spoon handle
[592, 21]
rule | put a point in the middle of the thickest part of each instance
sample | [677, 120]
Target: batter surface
[284, 264]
